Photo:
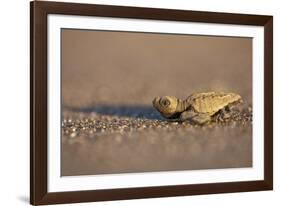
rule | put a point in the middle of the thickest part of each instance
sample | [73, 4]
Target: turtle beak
[155, 100]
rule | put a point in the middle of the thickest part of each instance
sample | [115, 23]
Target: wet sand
[108, 82]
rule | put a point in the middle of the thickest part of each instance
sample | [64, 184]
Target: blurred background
[132, 68]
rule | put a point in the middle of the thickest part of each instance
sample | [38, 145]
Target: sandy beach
[109, 80]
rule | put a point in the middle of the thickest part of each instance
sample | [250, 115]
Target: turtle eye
[165, 102]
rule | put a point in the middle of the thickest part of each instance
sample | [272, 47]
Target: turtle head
[166, 105]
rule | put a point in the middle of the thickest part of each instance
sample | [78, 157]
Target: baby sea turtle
[198, 108]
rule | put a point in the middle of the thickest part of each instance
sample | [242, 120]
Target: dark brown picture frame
[38, 102]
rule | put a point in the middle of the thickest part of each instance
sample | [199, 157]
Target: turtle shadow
[132, 111]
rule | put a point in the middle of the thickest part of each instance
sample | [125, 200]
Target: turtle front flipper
[187, 115]
[201, 119]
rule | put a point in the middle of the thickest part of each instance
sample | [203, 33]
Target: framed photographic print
[131, 102]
